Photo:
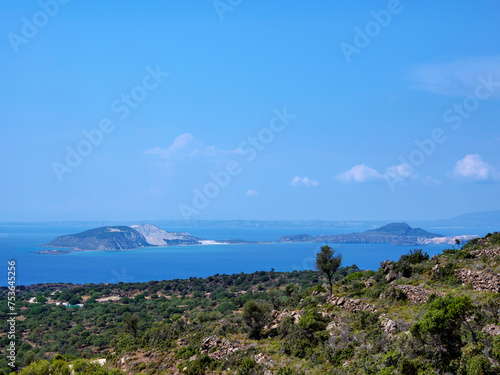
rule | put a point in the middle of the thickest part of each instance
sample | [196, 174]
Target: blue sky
[248, 109]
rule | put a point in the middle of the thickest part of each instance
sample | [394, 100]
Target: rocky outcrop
[489, 252]
[278, 316]
[417, 294]
[265, 360]
[222, 346]
[480, 281]
[389, 326]
[492, 329]
[352, 305]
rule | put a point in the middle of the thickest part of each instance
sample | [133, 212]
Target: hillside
[416, 315]
[123, 238]
[395, 234]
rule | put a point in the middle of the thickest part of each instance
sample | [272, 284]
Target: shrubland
[416, 315]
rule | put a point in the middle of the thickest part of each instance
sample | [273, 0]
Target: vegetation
[283, 322]
[327, 263]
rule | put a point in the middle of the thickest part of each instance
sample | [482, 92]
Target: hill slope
[123, 238]
[417, 315]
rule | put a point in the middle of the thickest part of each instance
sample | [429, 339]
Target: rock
[346, 363]
[101, 361]
[391, 276]
[350, 304]
[388, 325]
[222, 345]
[492, 329]
[417, 294]
[480, 281]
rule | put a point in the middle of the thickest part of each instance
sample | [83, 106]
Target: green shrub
[185, 352]
[440, 328]
[312, 321]
[288, 371]
[225, 307]
[495, 348]
[37, 368]
[354, 276]
[208, 316]
[197, 367]
[255, 316]
[342, 355]
[446, 274]
[414, 257]
[394, 294]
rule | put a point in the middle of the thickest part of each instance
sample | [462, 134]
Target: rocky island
[394, 234]
[110, 238]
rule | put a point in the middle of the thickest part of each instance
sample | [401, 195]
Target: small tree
[255, 315]
[439, 329]
[457, 241]
[131, 323]
[327, 263]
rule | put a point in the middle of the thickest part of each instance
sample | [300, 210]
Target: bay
[18, 242]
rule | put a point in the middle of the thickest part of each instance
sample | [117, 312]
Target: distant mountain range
[481, 220]
[394, 234]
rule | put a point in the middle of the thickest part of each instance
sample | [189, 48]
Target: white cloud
[359, 173]
[187, 146]
[251, 193]
[473, 167]
[303, 181]
[401, 170]
[459, 77]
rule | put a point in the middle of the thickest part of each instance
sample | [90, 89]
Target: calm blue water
[18, 243]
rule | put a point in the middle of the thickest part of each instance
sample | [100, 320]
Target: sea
[18, 242]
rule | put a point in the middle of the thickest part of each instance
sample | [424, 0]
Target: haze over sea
[19, 242]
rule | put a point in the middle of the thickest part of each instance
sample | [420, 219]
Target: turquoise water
[19, 242]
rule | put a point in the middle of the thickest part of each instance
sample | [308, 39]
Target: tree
[457, 241]
[131, 323]
[440, 327]
[327, 263]
[255, 315]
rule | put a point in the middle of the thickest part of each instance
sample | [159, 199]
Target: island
[109, 238]
[394, 234]
[113, 238]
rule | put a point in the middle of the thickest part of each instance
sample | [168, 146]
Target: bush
[440, 328]
[208, 316]
[394, 294]
[473, 362]
[185, 352]
[288, 371]
[224, 307]
[197, 367]
[354, 276]
[37, 368]
[495, 348]
[255, 316]
[342, 355]
[414, 257]
[248, 367]
[312, 321]
[446, 274]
